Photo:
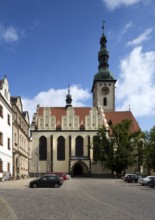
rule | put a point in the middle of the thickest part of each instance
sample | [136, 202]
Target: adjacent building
[21, 139]
[14, 135]
[62, 136]
[5, 130]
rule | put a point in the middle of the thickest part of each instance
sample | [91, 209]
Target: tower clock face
[105, 90]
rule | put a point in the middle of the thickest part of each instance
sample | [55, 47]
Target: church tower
[103, 88]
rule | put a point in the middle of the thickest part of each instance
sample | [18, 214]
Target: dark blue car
[46, 181]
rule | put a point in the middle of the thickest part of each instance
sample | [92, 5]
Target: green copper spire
[103, 57]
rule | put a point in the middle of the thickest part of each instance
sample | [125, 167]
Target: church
[62, 136]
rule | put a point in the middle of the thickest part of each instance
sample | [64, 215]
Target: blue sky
[46, 45]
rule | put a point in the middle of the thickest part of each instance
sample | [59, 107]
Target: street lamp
[37, 154]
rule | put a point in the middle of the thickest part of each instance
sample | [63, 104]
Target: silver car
[143, 181]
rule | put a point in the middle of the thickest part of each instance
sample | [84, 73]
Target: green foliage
[149, 149]
[118, 152]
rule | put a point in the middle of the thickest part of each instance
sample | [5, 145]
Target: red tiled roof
[40, 111]
[58, 112]
[115, 117]
[82, 112]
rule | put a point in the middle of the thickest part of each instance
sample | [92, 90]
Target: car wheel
[56, 185]
[34, 185]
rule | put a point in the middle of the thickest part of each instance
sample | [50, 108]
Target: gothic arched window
[79, 146]
[96, 148]
[105, 101]
[42, 148]
[88, 145]
[61, 148]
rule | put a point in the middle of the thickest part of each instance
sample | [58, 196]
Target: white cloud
[126, 27]
[8, 34]
[143, 37]
[136, 85]
[113, 4]
[56, 98]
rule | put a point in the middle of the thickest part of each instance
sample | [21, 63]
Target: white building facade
[6, 167]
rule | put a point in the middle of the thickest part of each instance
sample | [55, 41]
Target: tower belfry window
[105, 102]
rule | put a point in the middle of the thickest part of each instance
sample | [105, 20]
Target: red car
[63, 175]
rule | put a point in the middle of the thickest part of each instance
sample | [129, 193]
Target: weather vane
[103, 22]
[68, 88]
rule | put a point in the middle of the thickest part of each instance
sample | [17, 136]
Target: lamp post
[37, 155]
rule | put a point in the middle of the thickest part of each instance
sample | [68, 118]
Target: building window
[82, 127]
[8, 143]
[105, 101]
[1, 111]
[6, 94]
[42, 148]
[58, 127]
[70, 145]
[8, 119]
[1, 138]
[8, 167]
[1, 165]
[61, 148]
[15, 139]
[79, 146]
[89, 146]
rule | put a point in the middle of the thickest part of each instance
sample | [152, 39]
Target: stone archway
[80, 169]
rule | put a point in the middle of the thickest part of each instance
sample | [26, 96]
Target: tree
[118, 152]
[149, 150]
[152, 139]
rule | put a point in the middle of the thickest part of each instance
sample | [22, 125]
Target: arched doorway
[80, 169]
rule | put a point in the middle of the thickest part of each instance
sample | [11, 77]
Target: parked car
[131, 178]
[144, 181]
[46, 181]
[125, 175]
[151, 182]
[61, 174]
